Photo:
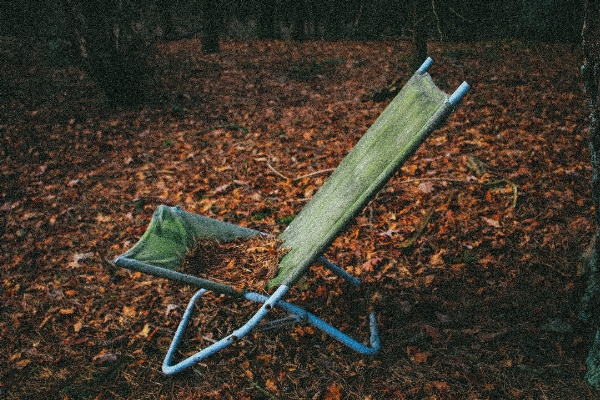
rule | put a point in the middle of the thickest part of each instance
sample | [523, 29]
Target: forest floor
[471, 255]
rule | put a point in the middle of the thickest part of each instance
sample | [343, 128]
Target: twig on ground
[227, 127]
[323, 171]
[279, 174]
[468, 182]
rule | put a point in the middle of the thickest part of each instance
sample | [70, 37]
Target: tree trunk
[590, 312]
[114, 56]
[266, 20]
[333, 15]
[211, 13]
[166, 20]
[299, 14]
[419, 34]
[61, 49]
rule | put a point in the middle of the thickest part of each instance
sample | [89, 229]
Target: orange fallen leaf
[334, 392]
[129, 311]
[19, 365]
[271, 386]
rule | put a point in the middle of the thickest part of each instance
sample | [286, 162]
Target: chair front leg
[233, 337]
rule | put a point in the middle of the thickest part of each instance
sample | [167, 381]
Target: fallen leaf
[491, 222]
[368, 265]
[170, 308]
[105, 357]
[77, 326]
[417, 356]
[437, 259]
[145, 331]
[19, 365]
[271, 386]
[129, 311]
[426, 187]
[103, 218]
[334, 392]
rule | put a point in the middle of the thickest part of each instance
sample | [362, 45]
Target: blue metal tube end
[459, 93]
[375, 343]
[425, 66]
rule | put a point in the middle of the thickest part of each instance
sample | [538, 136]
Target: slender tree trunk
[114, 56]
[166, 19]
[590, 312]
[334, 17]
[266, 20]
[419, 33]
[211, 12]
[299, 13]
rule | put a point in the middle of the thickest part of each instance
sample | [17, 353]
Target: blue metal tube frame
[310, 318]
[425, 66]
[339, 272]
[459, 94]
[269, 302]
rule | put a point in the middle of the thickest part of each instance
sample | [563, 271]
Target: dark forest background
[452, 20]
[113, 40]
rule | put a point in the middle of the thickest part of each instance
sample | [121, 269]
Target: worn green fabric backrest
[406, 122]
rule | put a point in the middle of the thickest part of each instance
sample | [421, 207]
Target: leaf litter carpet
[470, 255]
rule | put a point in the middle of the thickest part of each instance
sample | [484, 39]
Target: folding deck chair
[417, 110]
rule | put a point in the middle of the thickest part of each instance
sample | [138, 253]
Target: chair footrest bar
[278, 323]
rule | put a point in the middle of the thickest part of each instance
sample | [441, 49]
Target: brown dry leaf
[417, 356]
[145, 331]
[129, 311]
[334, 392]
[426, 187]
[19, 365]
[437, 387]
[421, 358]
[368, 265]
[271, 386]
[103, 218]
[491, 222]
[429, 279]
[437, 259]
[77, 326]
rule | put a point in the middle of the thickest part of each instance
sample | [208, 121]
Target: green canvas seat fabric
[172, 232]
[405, 123]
